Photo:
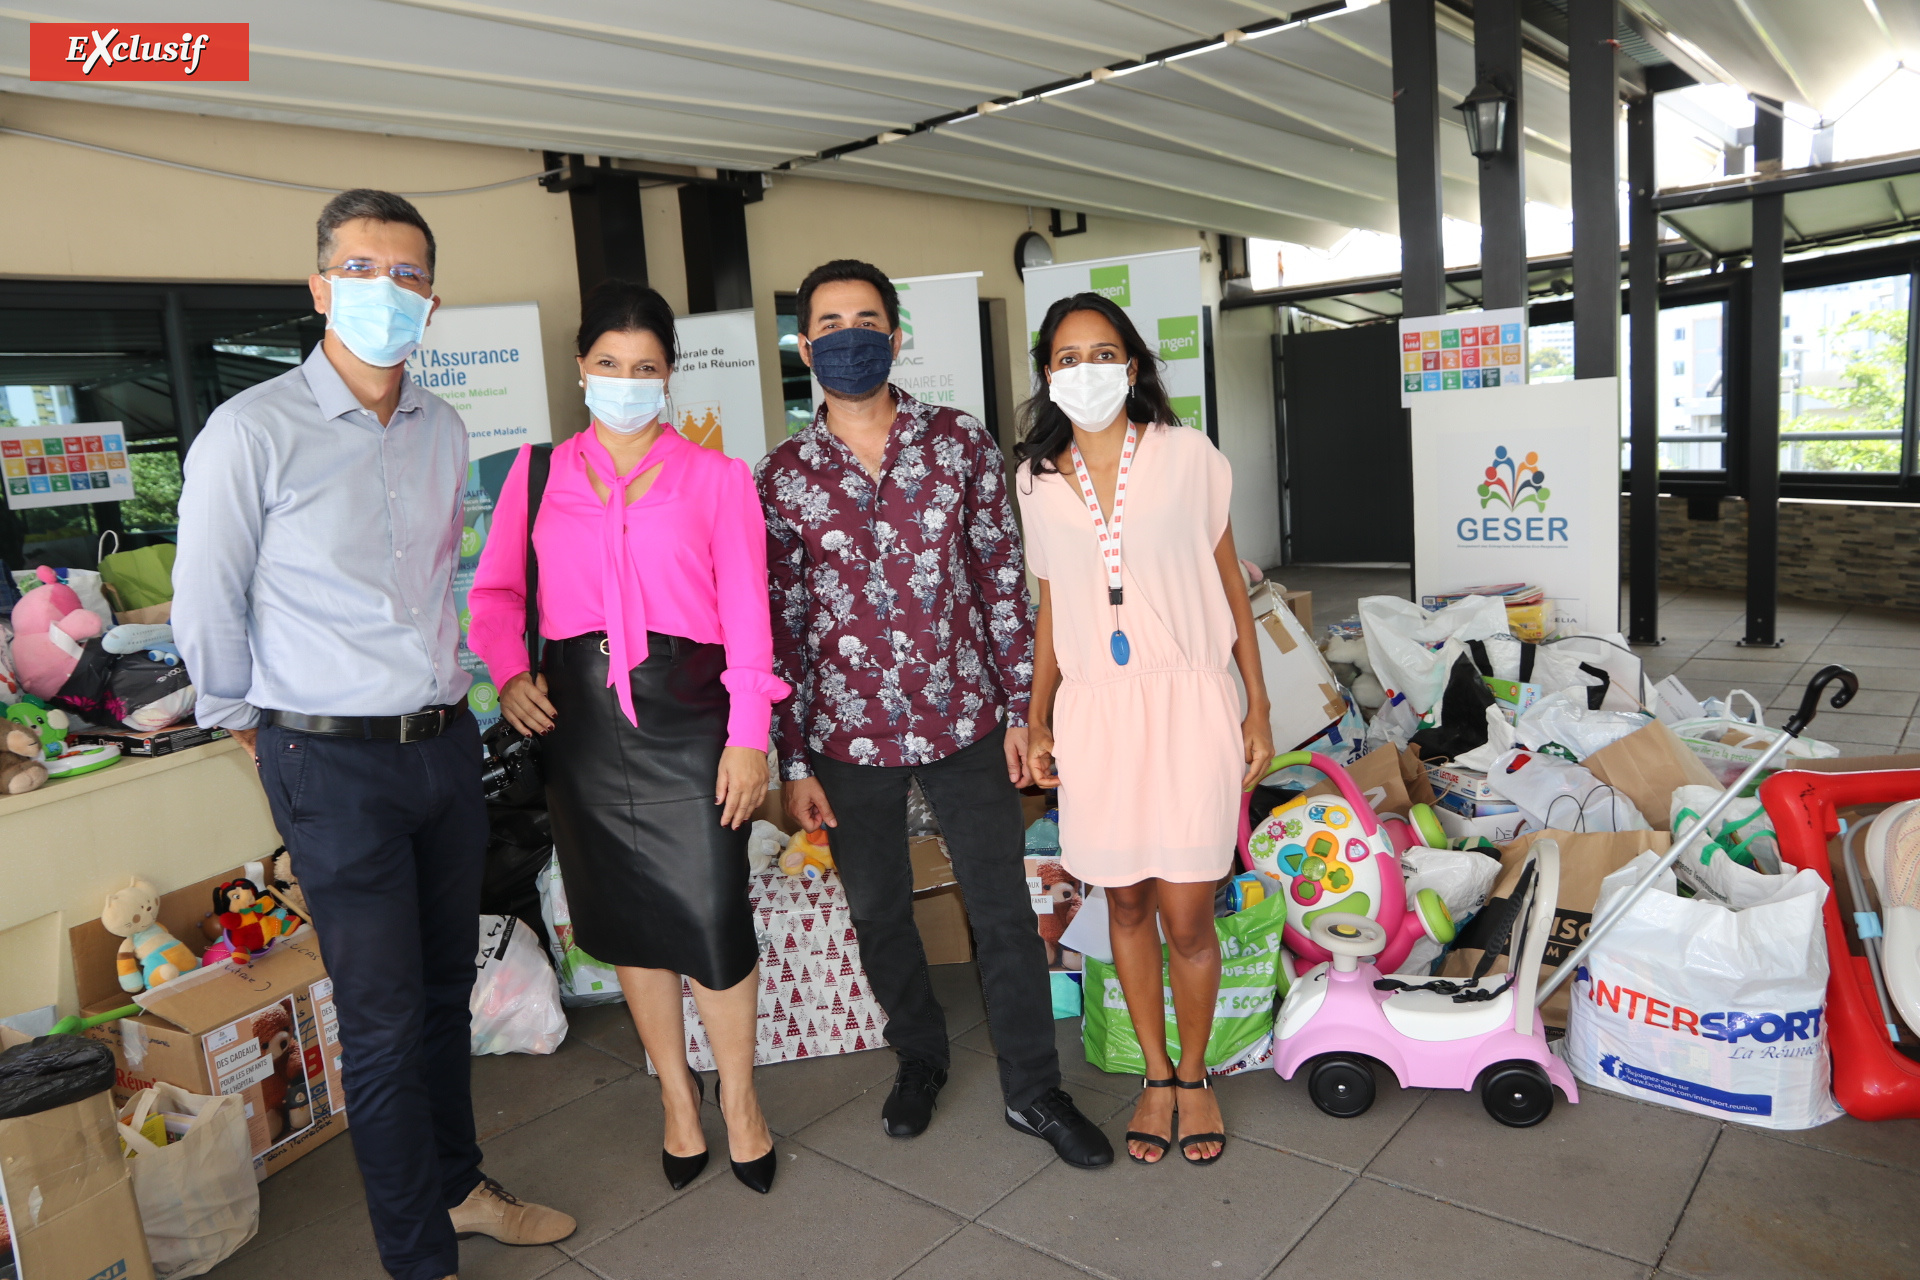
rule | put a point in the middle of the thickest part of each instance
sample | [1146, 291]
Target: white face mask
[625, 405]
[1090, 394]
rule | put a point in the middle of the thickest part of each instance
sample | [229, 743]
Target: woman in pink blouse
[653, 702]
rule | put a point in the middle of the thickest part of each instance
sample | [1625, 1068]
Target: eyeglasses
[402, 274]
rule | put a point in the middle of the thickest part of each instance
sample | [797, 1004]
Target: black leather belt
[415, 726]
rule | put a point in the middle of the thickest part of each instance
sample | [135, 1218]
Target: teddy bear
[1347, 657]
[151, 954]
[20, 767]
[50, 628]
[1058, 883]
[273, 1028]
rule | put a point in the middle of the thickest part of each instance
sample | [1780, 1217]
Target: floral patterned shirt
[900, 611]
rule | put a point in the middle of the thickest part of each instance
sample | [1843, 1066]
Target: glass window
[1843, 376]
[796, 381]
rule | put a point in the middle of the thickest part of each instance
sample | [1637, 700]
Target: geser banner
[715, 392]
[487, 363]
[1522, 487]
[1160, 292]
[939, 360]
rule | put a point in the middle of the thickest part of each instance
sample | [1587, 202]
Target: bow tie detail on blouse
[625, 611]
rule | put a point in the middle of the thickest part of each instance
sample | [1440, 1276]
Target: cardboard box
[1304, 696]
[267, 1031]
[151, 742]
[1301, 602]
[66, 1194]
[1467, 792]
[939, 910]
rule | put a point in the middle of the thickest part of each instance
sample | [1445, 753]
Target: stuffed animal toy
[1059, 885]
[806, 856]
[20, 767]
[288, 885]
[49, 630]
[273, 1028]
[150, 955]
[1348, 659]
[48, 725]
[251, 921]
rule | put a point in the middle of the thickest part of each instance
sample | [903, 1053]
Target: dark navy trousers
[389, 841]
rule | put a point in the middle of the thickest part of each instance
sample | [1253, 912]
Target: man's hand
[246, 738]
[807, 804]
[1017, 772]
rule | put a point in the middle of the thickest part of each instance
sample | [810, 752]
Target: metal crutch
[1796, 724]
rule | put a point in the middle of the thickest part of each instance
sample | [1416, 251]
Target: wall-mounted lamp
[1031, 250]
[1485, 112]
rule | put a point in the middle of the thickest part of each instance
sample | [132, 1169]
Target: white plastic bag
[1566, 797]
[1462, 878]
[1708, 867]
[515, 1006]
[1710, 1010]
[1412, 650]
[1576, 663]
[583, 980]
[1560, 718]
[1728, 743]
[198, 1198]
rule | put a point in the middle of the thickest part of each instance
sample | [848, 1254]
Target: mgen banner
[139, 51]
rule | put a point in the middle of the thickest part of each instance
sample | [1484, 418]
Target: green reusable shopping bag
[1251, 984]
[138, 579]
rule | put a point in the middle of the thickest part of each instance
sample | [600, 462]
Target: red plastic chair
[1871, 1079]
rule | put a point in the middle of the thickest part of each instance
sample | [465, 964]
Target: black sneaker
[1075, 1138]
[909, 1108]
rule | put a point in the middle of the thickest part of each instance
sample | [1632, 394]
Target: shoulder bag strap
[539, 464]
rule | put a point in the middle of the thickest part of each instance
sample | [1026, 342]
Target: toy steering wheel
[1349, 937]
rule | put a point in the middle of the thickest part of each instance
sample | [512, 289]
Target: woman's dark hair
[621, 306]
[1045, 430]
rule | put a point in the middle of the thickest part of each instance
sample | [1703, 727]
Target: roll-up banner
[716, 384]
[487, 363]
[939, 360]
[1160, 292]
[1522, 487]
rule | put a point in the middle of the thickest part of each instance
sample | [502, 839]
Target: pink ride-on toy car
[1480, 1034]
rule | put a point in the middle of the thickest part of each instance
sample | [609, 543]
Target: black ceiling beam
[1786, 184]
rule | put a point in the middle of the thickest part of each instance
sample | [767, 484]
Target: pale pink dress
[1149, 754]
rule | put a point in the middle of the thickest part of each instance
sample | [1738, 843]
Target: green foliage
[1873, 397]
[156, 491]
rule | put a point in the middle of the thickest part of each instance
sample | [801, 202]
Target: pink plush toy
[49, 630]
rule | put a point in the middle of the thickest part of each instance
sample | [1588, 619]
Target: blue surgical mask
[625, 405]
[378, 320]
[852, 362]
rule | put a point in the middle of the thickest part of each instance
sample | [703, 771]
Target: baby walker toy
[1331, 854]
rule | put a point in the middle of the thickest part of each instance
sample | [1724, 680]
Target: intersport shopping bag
[192, 1176]
[583, 980]
[1251, 984]
[1719, 1012]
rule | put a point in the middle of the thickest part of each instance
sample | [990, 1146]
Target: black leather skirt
[653, 879]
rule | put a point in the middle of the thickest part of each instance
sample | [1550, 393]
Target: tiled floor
[1424, 1184]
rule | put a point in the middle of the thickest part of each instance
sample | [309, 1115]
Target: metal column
[1593, 109]
[1643, 279]
[186, 408]
[1416, 146]
[1503, 180]
[1763, 389]
[713, 237]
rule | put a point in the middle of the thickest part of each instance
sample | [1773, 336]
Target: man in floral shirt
[901, 621]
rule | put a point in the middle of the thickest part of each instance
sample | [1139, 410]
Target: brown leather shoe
[491, 1210]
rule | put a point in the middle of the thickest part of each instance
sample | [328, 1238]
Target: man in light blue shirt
[320, 526]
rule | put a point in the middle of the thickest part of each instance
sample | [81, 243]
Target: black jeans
[389, 841]
[979, 813]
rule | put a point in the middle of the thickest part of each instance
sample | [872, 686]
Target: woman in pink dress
[1143, 616]
[653, 703]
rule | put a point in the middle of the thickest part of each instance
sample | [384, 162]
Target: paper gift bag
[1586, 859]
[1647, 766]
[1380, 778]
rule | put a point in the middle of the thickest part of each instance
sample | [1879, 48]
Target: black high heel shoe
[1188, 1141]
[681, 1170]
[756, 1174]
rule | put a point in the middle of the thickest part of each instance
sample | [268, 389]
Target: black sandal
[1154, 1140]
[1190, 1140]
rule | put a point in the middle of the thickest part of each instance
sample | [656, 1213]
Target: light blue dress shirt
[317, 551]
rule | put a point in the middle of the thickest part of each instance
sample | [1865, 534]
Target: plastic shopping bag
[1739, 864]
[1728, 743]
[583, 980]
[138, 583]
[1251, 984]
[1412, 650]
[1560, 723]
[192, 1176]
[515, 1005]
[1551, 792]
[1720, 1012]
[1462, 877]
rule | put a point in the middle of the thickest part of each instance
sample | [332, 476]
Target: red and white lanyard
[1107, 530]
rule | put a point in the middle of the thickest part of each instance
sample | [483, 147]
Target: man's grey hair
[381, 206]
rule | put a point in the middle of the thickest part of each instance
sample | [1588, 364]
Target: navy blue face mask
[852, 362]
